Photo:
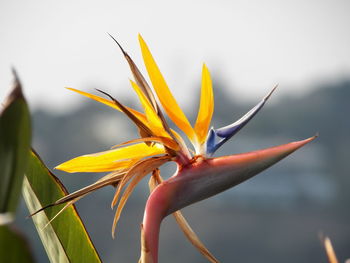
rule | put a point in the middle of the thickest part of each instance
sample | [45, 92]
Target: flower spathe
[198, 176]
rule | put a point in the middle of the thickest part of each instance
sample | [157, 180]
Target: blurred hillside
[275, 217]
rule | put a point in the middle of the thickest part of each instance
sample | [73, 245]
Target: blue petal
[211, 142]
[218, 137]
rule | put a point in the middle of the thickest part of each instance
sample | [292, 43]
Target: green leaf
[15, 134]
[13, 246]
[65, 239]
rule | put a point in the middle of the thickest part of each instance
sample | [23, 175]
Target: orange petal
[166, 98]
[162, 140]
[154, 122]
[109, 103]
[206, 107]
[140, 80]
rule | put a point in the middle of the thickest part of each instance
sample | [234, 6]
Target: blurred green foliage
[66, 239]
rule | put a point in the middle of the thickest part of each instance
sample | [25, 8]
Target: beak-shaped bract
[205, 178]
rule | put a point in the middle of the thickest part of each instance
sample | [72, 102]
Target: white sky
[251, 45]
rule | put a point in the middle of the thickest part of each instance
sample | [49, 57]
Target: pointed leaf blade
[15, 136]
[41, 188]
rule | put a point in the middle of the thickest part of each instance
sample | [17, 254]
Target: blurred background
[249, 46]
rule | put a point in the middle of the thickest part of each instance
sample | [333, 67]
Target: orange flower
[198, 176]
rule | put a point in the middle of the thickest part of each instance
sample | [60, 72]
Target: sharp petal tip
[275, 87]
[313, 137]
[270, 93]
[140, 38]
[60, 167]
[103, 92]
[306, 141]
[113, 233]
[120, 46]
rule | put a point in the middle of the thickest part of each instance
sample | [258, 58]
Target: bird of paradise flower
[198, 176]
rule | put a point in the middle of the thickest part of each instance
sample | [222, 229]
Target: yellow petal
[111, 160]
[109, 103]
[206, 107]
[154, 122]
[166, 98]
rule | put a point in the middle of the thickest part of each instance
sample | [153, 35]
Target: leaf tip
[16, 90]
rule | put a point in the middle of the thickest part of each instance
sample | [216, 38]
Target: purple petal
[218, 137]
